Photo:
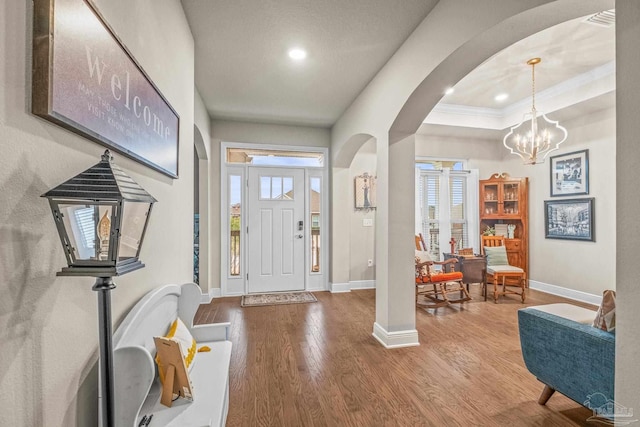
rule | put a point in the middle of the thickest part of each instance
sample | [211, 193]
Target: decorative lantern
[102, 216]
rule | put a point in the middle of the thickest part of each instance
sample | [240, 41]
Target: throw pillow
[496, 255]
[424, 256]
[179, 333]
[606, 315]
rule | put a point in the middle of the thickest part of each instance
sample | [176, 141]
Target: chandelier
[536, 136]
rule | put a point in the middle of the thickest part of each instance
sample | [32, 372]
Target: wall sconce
[101, 215]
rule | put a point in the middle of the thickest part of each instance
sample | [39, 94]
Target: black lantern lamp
[101, 215]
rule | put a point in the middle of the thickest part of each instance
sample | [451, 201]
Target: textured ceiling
[243, 71]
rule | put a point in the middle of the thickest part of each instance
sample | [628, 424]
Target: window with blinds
[86, 222]
[457, 208]
[445, 205]
[431, 213]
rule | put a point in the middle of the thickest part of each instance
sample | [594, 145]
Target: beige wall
[362, 238]
[49, 327]
[582, 266]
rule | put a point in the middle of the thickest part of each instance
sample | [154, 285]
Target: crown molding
[569, 92]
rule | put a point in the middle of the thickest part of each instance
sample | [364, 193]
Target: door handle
[299, 236]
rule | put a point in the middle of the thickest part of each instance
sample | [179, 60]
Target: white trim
[362, 284]
[215, 292]
[316, 288]
[565, 292]
[340, 287]
[229, 285]
[397, 339]
[205, 299]
[337, 288]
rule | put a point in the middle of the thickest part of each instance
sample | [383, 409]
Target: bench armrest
[134, 373]
[211, 332]
[573, 358]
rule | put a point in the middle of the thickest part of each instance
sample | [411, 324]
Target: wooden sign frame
[174, 371]
[85, 80]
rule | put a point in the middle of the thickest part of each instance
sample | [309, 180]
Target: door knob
[299, 236]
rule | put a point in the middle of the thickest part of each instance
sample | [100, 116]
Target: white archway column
[340, 231]
[395, 324]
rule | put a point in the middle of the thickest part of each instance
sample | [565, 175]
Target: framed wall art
[570, 174]
[571, 219]
[85, 80]
[365, 191]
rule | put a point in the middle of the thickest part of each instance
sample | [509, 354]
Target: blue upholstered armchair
[569, 356]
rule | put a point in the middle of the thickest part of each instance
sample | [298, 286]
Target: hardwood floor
[317, 364]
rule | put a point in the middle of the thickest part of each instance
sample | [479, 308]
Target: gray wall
[48, 373]
[362, 242]
[628, 203]
[582, 266]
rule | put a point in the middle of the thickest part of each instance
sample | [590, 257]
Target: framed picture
[571, 219]
[570, 174]
[85, 80]
[365, 191]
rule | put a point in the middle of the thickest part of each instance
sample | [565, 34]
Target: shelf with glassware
[504, 210]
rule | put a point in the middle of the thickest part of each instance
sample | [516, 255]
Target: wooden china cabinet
[505, 200]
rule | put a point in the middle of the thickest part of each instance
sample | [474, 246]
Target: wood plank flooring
[317, 364]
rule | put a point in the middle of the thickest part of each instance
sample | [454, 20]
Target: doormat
[276, 299]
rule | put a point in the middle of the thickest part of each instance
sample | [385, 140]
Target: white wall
[48, 324]
[362, 238]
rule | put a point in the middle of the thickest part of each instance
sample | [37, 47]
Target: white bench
[137, 388]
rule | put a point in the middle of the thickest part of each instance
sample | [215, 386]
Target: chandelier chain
[533, 86]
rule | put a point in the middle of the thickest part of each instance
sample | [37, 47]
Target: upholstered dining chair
[499, 272]
[434, 284]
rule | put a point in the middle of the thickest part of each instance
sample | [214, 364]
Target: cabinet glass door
[510, 198]
[491, 198]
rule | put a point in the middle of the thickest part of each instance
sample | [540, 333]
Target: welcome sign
[86, 81]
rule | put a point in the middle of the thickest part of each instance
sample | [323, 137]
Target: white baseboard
[353, 284]
[565, 292]
[213, 293]
[340, 287]
[316, 288]
[398, 339]
[362, 284]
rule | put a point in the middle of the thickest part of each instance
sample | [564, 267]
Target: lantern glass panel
[89, 230]
[134, 218]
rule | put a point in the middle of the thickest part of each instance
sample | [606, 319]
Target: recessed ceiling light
[501, 97]
[449, 91]
[297, 54]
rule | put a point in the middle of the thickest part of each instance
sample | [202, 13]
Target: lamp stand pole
[103, 286]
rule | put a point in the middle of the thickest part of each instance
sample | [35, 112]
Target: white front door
[275, 236]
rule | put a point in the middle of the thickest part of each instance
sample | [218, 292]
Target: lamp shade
[101, 215]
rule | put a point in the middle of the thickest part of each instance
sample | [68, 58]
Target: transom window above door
[261, 157]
